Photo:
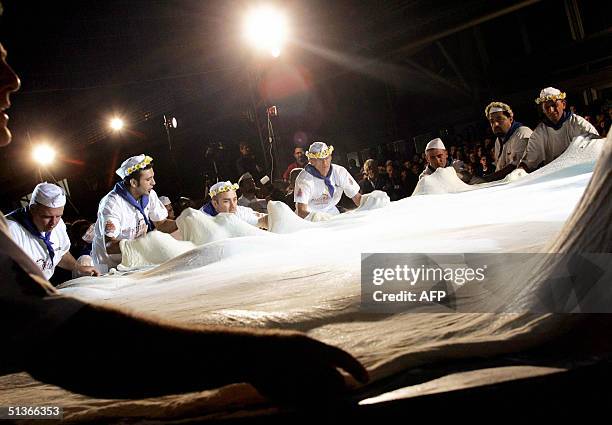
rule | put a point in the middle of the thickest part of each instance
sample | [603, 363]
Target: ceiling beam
[453, 65]
[409, 48]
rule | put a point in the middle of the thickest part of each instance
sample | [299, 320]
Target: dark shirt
[354, 171]
[482, 173]
[395, 188]
[248, 164]
[410, 182]
[288, 170]
[368, 186]
[289, 200]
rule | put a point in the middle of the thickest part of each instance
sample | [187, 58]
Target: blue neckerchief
[310, 169]
[22, 216]
[557, 126]
[121, 190]
[515, 125]
[209, 209]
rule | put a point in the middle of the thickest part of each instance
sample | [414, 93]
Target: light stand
[170, 122]
[272, 111]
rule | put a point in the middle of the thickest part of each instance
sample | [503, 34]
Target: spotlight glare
[116, 124]
[43, 154]
[266, 29]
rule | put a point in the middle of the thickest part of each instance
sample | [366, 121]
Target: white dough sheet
[306, 275]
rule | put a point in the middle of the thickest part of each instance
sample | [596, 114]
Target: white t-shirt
[36, 248]
[120, 220]
[547, 144]
[313, 192]
[244, 213]
[513, 150]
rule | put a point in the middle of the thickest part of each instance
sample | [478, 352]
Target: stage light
[170, 122]
[266, 29]
[116, 124]
[43, 154]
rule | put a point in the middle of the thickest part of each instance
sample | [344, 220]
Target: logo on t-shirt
[142, 228]
[322, 200]
[44, 264]
[109, 228]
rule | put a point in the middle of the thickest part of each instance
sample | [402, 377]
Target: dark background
[356, 74]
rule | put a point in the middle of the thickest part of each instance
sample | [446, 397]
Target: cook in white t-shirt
[223, 199]
[40, 231]
[319, 187]
[128, 211]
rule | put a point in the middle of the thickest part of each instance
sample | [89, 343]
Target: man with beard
[300, 162]
[511, 142]
[128, 211]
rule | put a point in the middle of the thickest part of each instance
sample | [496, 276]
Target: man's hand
[166, 225]
[87, 270]
[292, 368]
[82, 269]
[301, 209]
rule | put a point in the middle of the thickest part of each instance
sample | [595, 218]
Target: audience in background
[248, 194]
[372, 179]
[166, 202]
[394, 186]
[81, 236]
[354, 169]
[246, 163]
[300, 161]
[288, 198]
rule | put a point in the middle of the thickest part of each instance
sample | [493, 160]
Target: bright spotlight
[266, 29]
[116, 124]
[43, 154]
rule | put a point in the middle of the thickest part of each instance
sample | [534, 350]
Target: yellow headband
[222, 189]
[320, 155]
[146, 161]
[548, 97]
[501, 105]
